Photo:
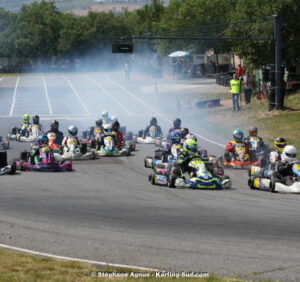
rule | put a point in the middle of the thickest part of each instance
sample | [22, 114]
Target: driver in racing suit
[118, 135]
[71, 138]
[54, 129]
[153, 122]
[35, 122]
[284, 168]
[96, 131]
[238, 137]
[174, 139]
[26, 122]
[107, 131]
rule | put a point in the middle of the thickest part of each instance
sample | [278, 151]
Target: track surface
[106, 210]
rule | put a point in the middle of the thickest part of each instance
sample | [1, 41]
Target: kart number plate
[72, 142]
[98, 130]
[254, 139]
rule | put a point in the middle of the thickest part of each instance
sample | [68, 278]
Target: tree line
[41, 32]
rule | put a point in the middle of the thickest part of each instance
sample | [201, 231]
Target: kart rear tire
[272, 185]
[13, 168]
[251, 183]
[171, 181]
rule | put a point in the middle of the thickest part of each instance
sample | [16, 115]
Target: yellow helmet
[26, 118]
[279, 144]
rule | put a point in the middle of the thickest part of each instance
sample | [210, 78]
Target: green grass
[23, 267]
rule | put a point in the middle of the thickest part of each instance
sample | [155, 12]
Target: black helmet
[115, 126]
[177, 123]
[54, 125]
[153, 121]
[184, 132]
[36, 120]
[99, 122]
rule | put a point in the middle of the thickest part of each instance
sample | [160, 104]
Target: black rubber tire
[272, 185]
[171, 181]
[251, 182]
[13, 168]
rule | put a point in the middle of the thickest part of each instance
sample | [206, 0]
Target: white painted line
[155, 111]
[47, 96]
[76, 94]
[109, 95]
[136, 98]
[75, 259]
[14, 98]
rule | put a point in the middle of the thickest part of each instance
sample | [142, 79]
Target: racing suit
[35, 129]
[284, 172]
[95, 132]
[170, 131]
[158, 131]
[229, 154]
[70, 140]
[59, 136]
[119, 139]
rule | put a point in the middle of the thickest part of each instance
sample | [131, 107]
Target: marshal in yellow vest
[235, 86]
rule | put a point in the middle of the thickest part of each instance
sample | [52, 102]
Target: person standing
[235, 89]
[240, 72]
[247, 82]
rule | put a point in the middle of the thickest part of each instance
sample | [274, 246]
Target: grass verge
[23, 267]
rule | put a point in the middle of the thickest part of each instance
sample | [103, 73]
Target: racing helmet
[54, 125]
[190, 146]
[104, 114]
[73, 130]
[36, 120]
[253, 131]
[238, 135]
[107, 128]
[175, 137]
[153, 121]
[26, 119]
[177, 123]
[43, 140]
[289, 154]
[114, 119]
[184, 132]
[279, 144]
[99, 122]
[191, 136]
[115, 126]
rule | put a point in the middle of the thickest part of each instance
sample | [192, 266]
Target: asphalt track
[107, 211]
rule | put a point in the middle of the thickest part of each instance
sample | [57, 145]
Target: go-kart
[197, 176]
[110, 150]
[273, 184]
[41, 159]
[150, 136]
[73, 152]
[17, 133]
[162, 160]
[129, 138]
[4, 167]
[4, 145]
[240, 159]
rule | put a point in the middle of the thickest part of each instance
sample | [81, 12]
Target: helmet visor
[291, 155]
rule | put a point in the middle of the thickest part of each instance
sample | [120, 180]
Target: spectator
[240, 72]
[235, 89]
[174, 67]
[247, 82]
[179, 69]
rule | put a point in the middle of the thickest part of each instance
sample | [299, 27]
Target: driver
[96, 131]
[176, 126]
[174, 139]
[54, 129]
[284, 168]
[238, 137]
[35, 122]
[118, 134]
[105, 117]
[71, 139]
[158, 132]
[26, 122]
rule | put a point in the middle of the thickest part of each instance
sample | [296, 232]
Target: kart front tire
[13, 168]
[251, 182]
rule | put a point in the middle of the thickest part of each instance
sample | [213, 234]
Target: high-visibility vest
[235, 86]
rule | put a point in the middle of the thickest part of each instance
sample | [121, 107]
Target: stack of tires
[223, 79]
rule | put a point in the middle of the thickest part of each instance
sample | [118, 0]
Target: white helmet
[107, 127]
[191, 136]
[104, 114]
[289, 154]
[73, 130]
[114, 118]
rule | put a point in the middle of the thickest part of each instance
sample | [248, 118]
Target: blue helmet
[238, 135]
[43, 139]
[175, 137]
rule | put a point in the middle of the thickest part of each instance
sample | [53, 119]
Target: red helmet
[253, 131]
